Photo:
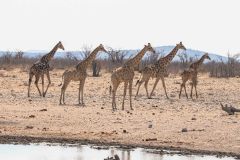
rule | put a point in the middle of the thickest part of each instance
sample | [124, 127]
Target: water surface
[57, 152]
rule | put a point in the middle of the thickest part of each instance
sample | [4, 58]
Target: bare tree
[116, 57]
[7, 57]
[151, 59]
[183, 59]
[19, 55]
[86, 50]
[70, 56]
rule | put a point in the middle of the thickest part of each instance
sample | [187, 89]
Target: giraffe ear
[149, 44]
[181, 43]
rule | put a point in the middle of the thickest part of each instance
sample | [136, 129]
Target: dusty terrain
[153, 122]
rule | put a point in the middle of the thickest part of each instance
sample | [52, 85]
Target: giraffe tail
[138, 80]
[62, 78]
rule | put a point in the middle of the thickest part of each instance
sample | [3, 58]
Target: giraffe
[79, 73]
[42, 67]
[191, 74]
[125, 74]
[157, 70]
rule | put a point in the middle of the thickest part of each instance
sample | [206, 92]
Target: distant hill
[163, 50]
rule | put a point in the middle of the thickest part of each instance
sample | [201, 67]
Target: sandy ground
[209, 128]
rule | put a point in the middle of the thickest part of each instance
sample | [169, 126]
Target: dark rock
[32, 116]
[184, 130]
[151, 139]
[29, 127]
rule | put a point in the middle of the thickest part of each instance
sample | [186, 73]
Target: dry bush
[231, 68]
[116, 58]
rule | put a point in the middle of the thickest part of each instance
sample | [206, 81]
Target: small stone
[32, 116]
[102, 107]
[29, 127]
[153, 113]
[184, 130]
[151, 139]
[124, 131]
[150, 126]
[194, 118]
[42, 110]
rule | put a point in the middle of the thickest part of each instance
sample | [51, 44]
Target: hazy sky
[208, 25]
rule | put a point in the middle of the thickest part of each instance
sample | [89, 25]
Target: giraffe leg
[49, 83]
[42, 77]
[36, 84]
[63, 89]
[155, 84]
[191, 89]
[82, 87]
[130, 93]
[79, 90]
[181, 86]
[139, 84]
[29, 83]
[146, 87]
[195, 86]
[114, 90]
[124, 93]
[164, 86]
[196, 91]
[185, 90]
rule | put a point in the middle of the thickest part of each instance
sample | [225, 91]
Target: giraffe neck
[47, 57]
[88, 60]
[197, 63]
[136, 60]
[168, 58]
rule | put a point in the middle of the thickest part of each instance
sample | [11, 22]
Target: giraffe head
[206, 56]
[149, 48]
[101, 48]
[181, 46]
[59, 45]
